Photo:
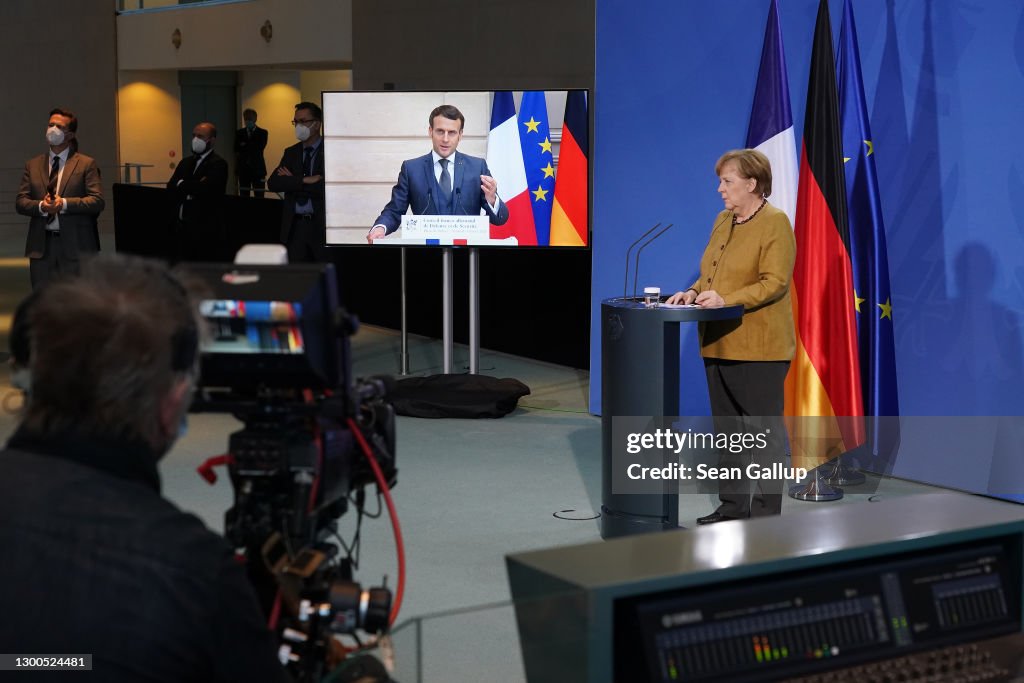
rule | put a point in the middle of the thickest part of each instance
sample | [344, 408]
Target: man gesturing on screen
[443, 182]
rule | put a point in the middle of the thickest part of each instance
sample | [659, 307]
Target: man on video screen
[443, 182]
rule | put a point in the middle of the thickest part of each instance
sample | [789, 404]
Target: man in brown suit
[61, 192]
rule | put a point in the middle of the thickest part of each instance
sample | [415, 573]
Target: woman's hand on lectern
[686, 297]
[710, 299]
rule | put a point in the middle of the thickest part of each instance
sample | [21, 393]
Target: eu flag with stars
[867, 245]
[535, 138]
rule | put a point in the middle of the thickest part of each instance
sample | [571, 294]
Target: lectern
[639, 377]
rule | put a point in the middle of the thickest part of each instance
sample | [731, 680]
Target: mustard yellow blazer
[750, 264]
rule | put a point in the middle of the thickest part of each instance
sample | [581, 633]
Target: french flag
[771, 118]
[505, 160]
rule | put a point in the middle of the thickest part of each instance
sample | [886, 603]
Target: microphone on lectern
[625, 280]
[636, 267]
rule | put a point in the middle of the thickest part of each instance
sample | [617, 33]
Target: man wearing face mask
[96, 560]
[250, 167]
[300, 177]
[197, 192]
[62, 193]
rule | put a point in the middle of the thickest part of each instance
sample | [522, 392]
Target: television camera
[313, 440]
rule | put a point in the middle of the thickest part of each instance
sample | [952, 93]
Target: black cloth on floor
[467, 396]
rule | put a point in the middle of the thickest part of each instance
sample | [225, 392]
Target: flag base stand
[843, 475]
[816, 491]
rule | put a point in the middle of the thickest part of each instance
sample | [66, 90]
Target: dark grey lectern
[640, 377]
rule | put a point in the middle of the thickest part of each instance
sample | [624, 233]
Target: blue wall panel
[944, 82]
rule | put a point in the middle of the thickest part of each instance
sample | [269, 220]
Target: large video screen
[511, 169]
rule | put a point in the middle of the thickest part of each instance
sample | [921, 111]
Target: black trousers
[747, 397]
[53, 262]
[306, 240]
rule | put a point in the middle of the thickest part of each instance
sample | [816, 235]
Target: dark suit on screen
[418, 188]
[250, 167]
[80, 186]
[305, 235]
[197, 190]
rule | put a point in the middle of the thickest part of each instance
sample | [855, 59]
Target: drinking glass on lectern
[652, 297]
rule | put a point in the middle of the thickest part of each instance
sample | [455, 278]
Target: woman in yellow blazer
[748, 261]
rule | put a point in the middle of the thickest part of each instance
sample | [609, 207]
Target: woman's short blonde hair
[751, 164]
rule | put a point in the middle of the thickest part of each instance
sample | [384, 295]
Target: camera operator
[97, 562]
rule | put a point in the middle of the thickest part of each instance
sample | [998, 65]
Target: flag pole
[817, 490]
[844, 474]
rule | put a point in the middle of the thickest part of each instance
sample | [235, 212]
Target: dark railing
[128, 167]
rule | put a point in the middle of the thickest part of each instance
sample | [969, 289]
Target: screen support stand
[474, 311]
[405, 327]
[446, 330]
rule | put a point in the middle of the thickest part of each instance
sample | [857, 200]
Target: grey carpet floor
[468, 493]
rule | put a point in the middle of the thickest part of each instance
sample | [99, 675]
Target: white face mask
[198, 145]
[301, 132]
[54, 135]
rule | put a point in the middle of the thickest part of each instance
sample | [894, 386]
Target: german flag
[569, 214]
[824, 379]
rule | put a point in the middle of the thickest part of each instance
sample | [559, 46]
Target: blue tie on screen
[446, 186]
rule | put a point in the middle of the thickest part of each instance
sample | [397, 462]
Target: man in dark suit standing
[443, 182]
[250, 167]
[62, 193]
[197, 190]
[300, 177]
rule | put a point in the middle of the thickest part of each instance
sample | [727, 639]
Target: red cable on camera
[275, 612]
[206, 469]
[396, 527]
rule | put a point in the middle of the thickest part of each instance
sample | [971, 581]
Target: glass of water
[652, 297]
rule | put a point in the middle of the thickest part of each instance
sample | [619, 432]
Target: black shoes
[714, 517]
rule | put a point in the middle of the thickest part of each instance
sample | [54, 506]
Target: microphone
[430, 200]
[636, 266]
[458, 201]
[714, 227]
[625, 279]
